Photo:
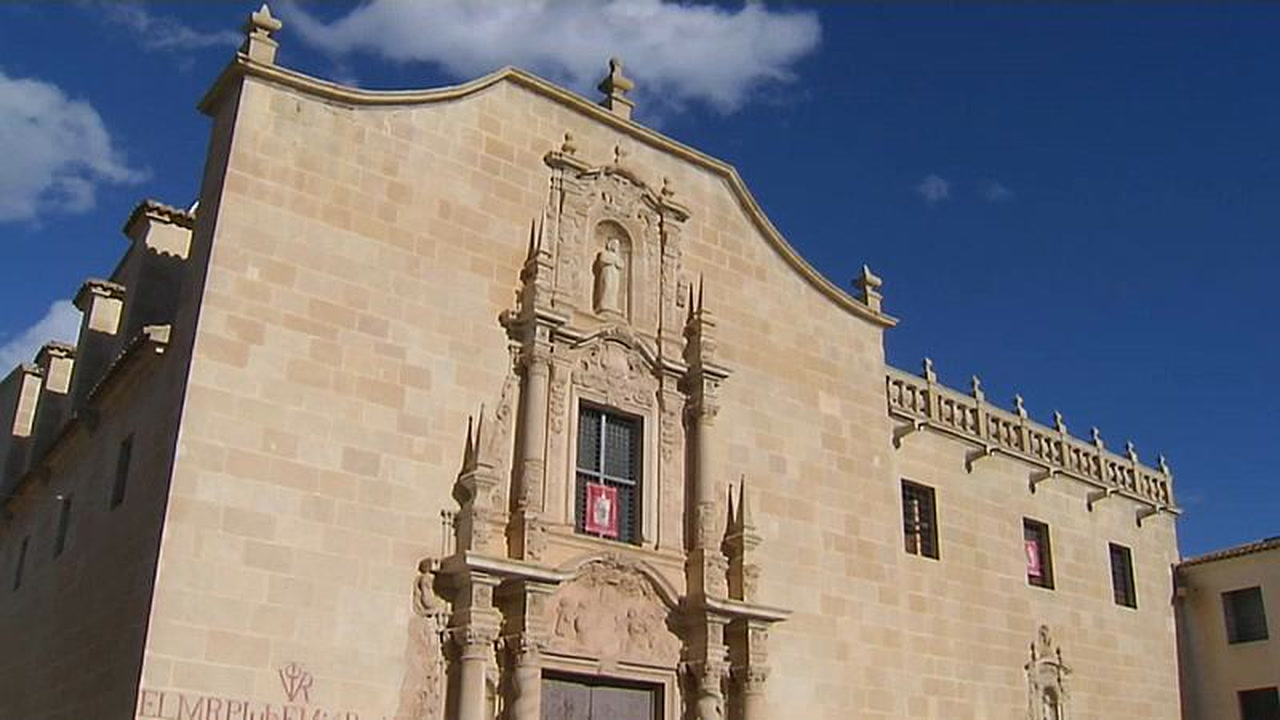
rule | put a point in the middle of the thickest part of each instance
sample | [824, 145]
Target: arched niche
[612, 270]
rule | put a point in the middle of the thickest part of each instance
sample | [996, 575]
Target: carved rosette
[611, 611]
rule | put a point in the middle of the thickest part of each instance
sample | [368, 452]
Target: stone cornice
[243, 66]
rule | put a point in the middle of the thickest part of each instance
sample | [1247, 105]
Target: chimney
[154, 265]
[19, 393]
[56, 363]
[102, 304]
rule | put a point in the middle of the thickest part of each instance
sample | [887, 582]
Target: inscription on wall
[296, 684]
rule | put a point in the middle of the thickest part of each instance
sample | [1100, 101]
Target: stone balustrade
[923, 402]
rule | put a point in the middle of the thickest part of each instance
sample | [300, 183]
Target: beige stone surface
[338, 329]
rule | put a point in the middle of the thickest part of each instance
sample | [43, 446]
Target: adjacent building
[1230, 661]
[488, 401]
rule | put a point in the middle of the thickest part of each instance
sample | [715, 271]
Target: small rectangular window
[1245, 615]
[1122, 585]
[919, 520]
[22, 562]
[64, 524]
[608, 485]
[122, 472]
[1035, 537]
[1259, 704]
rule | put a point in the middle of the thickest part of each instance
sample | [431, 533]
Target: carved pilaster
[526, 677]
[707, 566]
[474, 631]
[748, 652]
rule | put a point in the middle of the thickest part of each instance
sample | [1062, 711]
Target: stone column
[475, 646]
[526, 703]
[753, 699]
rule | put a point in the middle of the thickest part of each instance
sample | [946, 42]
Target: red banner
[602, 510]
[1033, 559]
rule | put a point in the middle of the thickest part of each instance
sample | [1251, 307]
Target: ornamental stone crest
[620, 373]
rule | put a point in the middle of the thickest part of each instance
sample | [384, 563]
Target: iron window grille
[609, 456]
[919, 520]
[1245, 614]
[1123, 589]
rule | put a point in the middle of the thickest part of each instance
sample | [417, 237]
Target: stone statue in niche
[1047, 674]
[610, 270]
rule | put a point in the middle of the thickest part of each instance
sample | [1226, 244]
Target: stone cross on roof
[615, 87]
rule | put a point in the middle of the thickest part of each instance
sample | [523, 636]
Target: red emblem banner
[602, 510]
[1033, 559]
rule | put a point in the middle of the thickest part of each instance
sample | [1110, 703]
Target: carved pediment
[616, 365]
[612, 611]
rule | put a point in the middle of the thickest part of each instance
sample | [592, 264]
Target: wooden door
[566, 698]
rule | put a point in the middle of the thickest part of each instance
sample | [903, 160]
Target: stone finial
[870, 283]
[615, 87]
[1131, 451]
[975, 386]
[1163, 466]
[259, 43]
[746, 521]
[1058, 423]
[567, 147]
[928, 372]
[1095, 436]
[1018, 407]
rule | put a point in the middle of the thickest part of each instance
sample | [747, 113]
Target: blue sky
[1080, 203]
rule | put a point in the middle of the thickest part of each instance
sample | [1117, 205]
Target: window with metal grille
[122, 471]
[1035, 540]
[1122, 587]
[919, 520]
[64, 524]
[1245, 615]
[608, 485]
[1259, 704]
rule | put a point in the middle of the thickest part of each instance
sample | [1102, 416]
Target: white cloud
[934, 189]
[996, 192]
[676, 52]
[61, 322]
[164, 33]
[56, 151]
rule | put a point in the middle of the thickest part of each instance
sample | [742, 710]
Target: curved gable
[358, 97]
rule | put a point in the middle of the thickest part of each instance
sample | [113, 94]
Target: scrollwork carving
[616, 371]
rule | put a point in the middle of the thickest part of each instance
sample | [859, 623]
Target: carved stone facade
[349, 402]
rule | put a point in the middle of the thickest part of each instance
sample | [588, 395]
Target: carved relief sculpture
[611, 611]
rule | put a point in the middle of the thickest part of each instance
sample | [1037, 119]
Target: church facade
[489, 402]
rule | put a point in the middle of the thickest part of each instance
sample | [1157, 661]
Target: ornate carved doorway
[565, 697]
